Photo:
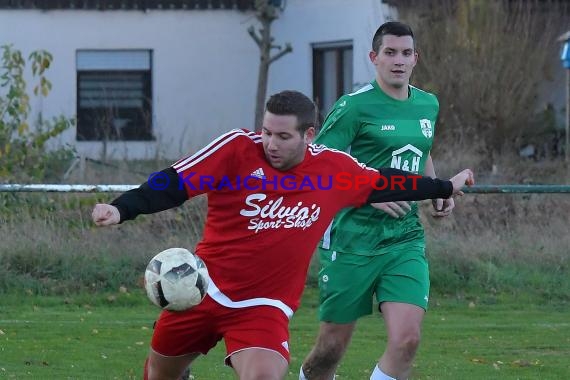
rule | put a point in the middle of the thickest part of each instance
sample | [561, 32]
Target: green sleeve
[340, 126]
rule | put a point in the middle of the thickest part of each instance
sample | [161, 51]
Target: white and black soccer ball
[176, 279]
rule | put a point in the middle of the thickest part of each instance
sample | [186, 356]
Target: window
[332, 73]
[114, 95]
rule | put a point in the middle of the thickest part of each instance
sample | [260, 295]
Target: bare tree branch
[288, 49]
[266, 14]
[254, 35]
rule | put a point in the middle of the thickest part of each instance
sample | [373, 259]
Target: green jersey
[379, 131]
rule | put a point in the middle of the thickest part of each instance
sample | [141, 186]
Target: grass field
[107, 338]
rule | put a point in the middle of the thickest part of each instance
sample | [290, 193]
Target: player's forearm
[399, 185]
[146, 200]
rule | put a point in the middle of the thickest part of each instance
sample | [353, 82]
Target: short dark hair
[393, 28]
[294, 103]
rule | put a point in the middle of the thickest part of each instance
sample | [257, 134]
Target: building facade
[154, 78]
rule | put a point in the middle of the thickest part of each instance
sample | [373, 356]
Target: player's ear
[309, 135]
[372, 56]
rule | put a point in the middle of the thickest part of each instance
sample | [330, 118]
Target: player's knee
[153, 371]
[406, 344]
[261, 370]
[264, 373]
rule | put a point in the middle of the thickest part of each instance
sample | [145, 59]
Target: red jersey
[263, 224]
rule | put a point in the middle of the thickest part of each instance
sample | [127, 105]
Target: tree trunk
[262, 79]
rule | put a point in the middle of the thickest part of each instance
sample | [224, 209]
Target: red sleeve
[203, 171]
[355, 180]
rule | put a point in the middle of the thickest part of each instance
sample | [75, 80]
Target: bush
[487, 61]
[23, 148]
[50, 245]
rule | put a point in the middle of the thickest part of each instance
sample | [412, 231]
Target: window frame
[318, 53]
[143, 134]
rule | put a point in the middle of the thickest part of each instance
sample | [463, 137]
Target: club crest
[427, 130]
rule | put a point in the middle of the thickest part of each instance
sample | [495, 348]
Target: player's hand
[442, 207]
[462, 179]
[105, 215]
[394, 209]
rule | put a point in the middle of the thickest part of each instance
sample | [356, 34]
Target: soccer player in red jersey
[269, 203]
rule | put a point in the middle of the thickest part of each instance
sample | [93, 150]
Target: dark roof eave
[141, 5]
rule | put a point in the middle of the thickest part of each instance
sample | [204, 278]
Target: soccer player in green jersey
[367, 252]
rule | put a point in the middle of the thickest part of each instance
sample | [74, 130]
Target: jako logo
[388, 128]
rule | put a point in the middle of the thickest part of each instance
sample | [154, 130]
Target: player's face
[395, 60]
[283, 144]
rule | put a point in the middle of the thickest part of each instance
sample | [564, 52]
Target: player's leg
[403, 296]
[180, 337]
[258, 363]
[159, 367]
[185, 375]
[346, 284]
[257, 342]
[326, 354]
[403, 323]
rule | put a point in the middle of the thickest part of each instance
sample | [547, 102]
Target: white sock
[377, 374]
[302, 374]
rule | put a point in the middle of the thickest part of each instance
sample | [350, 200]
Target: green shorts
[347, 282]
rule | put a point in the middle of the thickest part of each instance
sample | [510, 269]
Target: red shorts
[202, 327]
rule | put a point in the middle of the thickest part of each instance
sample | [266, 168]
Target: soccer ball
[176, 279]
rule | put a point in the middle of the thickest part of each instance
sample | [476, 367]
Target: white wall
[204, 68]
[306, 22]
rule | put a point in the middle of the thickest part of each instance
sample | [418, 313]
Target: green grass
[106, 337]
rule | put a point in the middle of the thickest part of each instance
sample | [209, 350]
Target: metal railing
[59, 188]
[478, 189]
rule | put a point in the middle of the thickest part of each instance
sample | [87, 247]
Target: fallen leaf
[2, 332]
[95, 331]
[521, 363]
[477, 360]
[471, 305]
